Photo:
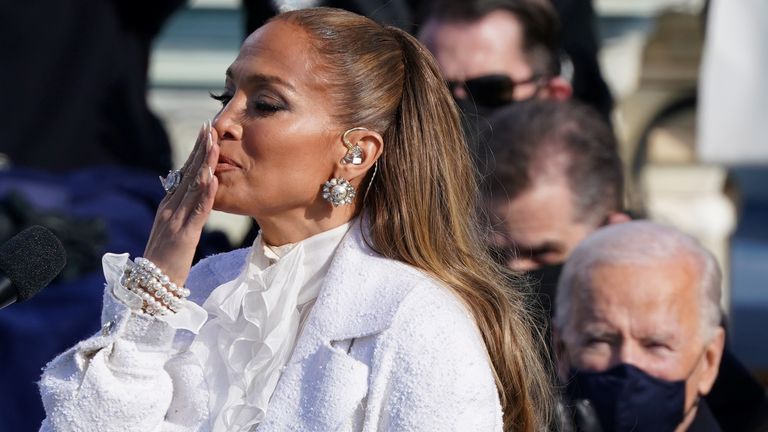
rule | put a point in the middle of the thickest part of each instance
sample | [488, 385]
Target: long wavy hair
[422, 204]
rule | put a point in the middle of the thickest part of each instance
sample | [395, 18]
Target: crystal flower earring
[338, 192]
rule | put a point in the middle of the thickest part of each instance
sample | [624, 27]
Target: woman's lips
[226, 164]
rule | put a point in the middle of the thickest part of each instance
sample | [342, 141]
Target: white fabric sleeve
[129, 377]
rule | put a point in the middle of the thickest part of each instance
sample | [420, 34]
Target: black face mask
[627, 399]
[544, 280]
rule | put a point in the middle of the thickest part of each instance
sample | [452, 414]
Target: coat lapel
[359, 297]
[322, 386]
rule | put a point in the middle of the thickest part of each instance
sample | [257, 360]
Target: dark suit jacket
[579, 40]
[74, 80]
[704, 420]
[399, 13]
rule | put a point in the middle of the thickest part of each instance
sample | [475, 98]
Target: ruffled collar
[254, 323]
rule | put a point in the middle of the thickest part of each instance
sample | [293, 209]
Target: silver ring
[171, 181]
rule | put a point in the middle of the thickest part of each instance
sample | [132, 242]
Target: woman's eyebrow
[263, 78]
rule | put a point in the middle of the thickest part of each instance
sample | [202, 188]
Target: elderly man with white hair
[637, 330]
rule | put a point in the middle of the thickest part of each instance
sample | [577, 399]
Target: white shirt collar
[254, 323]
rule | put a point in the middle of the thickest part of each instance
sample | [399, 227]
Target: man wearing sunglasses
[495, 52]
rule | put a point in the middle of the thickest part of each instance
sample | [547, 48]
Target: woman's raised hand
[182, 214]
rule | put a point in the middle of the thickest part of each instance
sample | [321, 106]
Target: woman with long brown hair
[367, 301]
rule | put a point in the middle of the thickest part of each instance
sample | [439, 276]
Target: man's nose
[626, 352]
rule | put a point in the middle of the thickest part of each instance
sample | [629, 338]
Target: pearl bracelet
[159, 295]
[165, 282]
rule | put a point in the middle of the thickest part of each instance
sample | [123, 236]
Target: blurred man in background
[637, 328]
[501, 51]
[493, 53]
[552, 175]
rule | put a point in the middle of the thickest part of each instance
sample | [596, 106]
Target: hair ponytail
[422, 205]
[448, 243]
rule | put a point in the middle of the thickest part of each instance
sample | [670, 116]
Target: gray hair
[641, 242]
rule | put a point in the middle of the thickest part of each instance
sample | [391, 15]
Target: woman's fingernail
[210, 173]
[210, 135]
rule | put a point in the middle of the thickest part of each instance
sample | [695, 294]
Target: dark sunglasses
[491, 90]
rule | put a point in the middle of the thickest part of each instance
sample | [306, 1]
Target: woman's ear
[362, 148]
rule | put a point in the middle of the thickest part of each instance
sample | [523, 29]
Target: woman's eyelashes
[260, 106]
[267, 106]
[224, 98]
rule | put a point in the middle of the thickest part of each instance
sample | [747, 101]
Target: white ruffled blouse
[248, 327]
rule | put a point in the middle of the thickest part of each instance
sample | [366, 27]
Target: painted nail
[210, 135]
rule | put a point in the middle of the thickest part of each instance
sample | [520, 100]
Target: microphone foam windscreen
[32, 259]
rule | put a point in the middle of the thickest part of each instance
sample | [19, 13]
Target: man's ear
[559, 89]
[364, 147]
[617, 217]
[713, 353]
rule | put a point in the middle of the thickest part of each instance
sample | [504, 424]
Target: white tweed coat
[385, 347]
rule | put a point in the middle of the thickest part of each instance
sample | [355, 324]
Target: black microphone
[29, 261]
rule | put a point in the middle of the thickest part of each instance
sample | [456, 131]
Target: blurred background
[690, 109]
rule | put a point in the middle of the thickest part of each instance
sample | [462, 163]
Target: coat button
[107, 328]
